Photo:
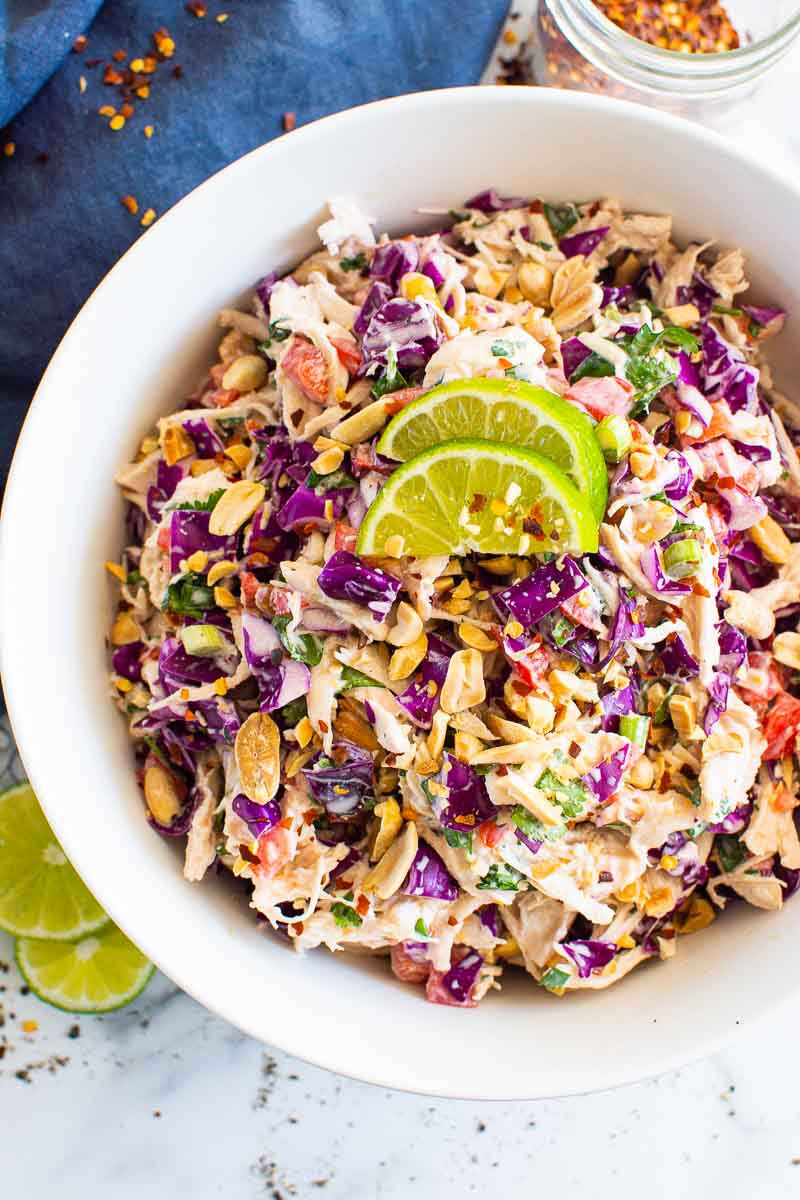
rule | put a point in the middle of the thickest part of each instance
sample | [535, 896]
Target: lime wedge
[96, 973]
[41, 895]
[503, 410]
[474, 495]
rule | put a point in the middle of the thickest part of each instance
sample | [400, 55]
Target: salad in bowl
[458, 616]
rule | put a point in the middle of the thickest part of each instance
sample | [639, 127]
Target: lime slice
[503, 410]
[41, 895]
[96, 973]
[476, 495]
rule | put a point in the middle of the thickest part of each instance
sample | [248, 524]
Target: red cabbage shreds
[264, 288]
[467, 805]
[627, 624]
[178, 669]
[321, 620]
[167, 479]
[188, 532]
[490, 918]
[753, 453]
[179, 825]
[718, 691]
[650, 563]
[376, 297]
[582, 243]
[676, 659]
[698, 292]
[735, 821]
[393, 260]
[305, 510]
[207, 442]
[605, 778]
[126, 661]
[583, 646]
[459, 981]
[421, 697]
[349, 860]
[615, 295]
[417, 951]
[770, 320]
[280, 455]
[531, 844]
[617, 704]
[789, 877]
[428, 876]
[682, 483]
[262, 645]
[220, 716]
[741, 511]
[490, 201]
[342, 782]
[573, 352]
[530, 599]
[347, 577]
[264, 536]
[732, 648]
[589, 955]
[435, 267]
[259, 818]
[726, 374]
[407, 326]
[292, 682]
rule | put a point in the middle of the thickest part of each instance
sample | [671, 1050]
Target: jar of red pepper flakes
[696, 58]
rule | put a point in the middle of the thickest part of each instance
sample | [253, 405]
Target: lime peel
[97, 973]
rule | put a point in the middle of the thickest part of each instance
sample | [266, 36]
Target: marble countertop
[163, 1098]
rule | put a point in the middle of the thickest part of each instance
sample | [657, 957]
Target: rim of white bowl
[14, 661]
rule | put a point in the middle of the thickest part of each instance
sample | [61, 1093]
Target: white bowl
[140, 340]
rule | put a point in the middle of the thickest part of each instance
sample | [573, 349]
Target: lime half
[96, 973]
[41, 895]
[503, 410]
[474, 495]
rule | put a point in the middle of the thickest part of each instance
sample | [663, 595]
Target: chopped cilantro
[502, 349]
[501, 878]
[593, 366]
[544, 245]
[420, 928]
[562, 629]
[571, 796]
[293, 712]
[392, 379]
[561, 217]
[302, 647]
[686, 527]
[458, 839]
[206, 505]
[554, 978]
[648, 376]
[730, 852]
[356, 263]
[535, 829]
[336, 481]
[189, 596]
[134, 577]
[344, 915]
[351, 678]
[675, 335]
[696, 796]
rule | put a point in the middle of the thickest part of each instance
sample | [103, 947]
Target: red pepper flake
[111, 76]
[163, 43]
[362, 905]
[93, 62]
[143, 92]
[574, 749]
[127, 110]
[80, 44]
[605, 877]
[119, 56]
[222, 18]
[131, 204]
[149, 64]
[324, 727]
[298, 928]
[148, 216]
[9, 149]
[452, 921]
[247, 854]
[478, 503]
[196, 8]
[177, 71]
[289, 121]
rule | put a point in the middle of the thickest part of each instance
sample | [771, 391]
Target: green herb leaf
[351, 678]
[207, 505]
[302, 647]
[676, 335]
[293, 712]
[277, 333]
[392, 379]
[502, 349]
[554, 979]
[329, 483]
[593, 366]
[561, 217]
[458, 839]
[344, 915]
[544, 245]
[134, 578]
[501, 878]
[730, 851]
[420, 928]
[189, 596]
[571, 795]
[356, 263]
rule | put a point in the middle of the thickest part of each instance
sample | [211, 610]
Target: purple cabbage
[616, 295]
[698, 292]
[650, 562]
[605, 778]
[617, 704]
[377, 296]
[407, 326]
[530, 599]
[342, 781]
[188, 532]
[626, 625]
[770, 319]
[530, 843]
[428, 876]
[177, 669]
[220, 716]
[682, 483]
[345, 576]
[732, 648]
[421, 697]
[718, 691]
[350, 859]
[125, 661]
[467, 804]
[392, 260]
[490, 201]
[490, 918]
[790, 877]
[735, 821]
[280, 679]
[582, 243]
[306, 510]
[264, 288]
[677, 661]
[167, 479]
[573, 352]
[753, 453]
[741, 510]
[726, 374]
[461, 977]
[259, 818]
[206, 440]
[589, 955]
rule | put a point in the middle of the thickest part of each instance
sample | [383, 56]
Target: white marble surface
[164, 1099]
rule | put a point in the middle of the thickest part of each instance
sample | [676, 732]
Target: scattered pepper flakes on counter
[222, 18]
[82, 84]
[144, 91]
[289, 121]
[116, 123]
[148, 216]
[164, 43]
[107, 110]
[112, 77]
[30, 1026]
[509, 36]
[127, 111]
[148, 131]
[689, 26]
[131, 204]
[80, 44]
[196, 8]
[9, 149]
[119, 56]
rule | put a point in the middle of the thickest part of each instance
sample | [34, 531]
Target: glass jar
[576, 46]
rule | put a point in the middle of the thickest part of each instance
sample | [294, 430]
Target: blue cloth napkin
[223, 91]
